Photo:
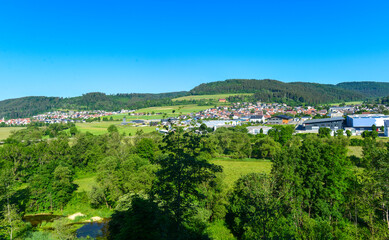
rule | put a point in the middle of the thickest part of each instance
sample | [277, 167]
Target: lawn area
[234, 169]
[380, 138]
[85, 184]
[5, 132]
[355, 151]
[99, 128]
[129, 117]
[210, 97]
[184, 109]
[347, 103]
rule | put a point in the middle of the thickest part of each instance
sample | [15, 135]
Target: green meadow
[355, 151]
[233, 169]
[184, 109]
[5, 132]
[347, 103]
[210, 97]
[99, 128]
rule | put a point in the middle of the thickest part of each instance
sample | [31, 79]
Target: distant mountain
[273, 90]
[266, 90]
[370, 89]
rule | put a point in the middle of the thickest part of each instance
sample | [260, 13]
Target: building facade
[363, 122]
[280, 119]
[331, 123]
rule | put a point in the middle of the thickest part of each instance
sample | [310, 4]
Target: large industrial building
[386, 125]
[363, 122]
[332, 123]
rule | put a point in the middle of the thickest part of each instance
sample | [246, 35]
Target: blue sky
[66, 48]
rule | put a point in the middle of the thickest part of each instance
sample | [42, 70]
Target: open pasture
[210, 97]
[5, 132]
[347, 103]
[356, 151]
[184, 109]
[233, 169]
[98, 128]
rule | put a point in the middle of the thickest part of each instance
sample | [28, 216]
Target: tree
[11, 224]
[254, 211]
[73, 130]
[281, 134]
[314, 177]
[63, 185]
[145, 148]
[348, 133]
[266, 147]
[324, 132]
[339, 132]
[112, 129]
[181, 171]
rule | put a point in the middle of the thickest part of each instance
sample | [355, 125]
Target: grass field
[210, 97]
[234, 169]
[99, 128]
[129, 117]
[355, 151]
[5, 132]
[184, 109]
[85, 184]
[384, 139]
[347, 103]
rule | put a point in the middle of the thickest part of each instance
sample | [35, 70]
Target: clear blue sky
[66, 48]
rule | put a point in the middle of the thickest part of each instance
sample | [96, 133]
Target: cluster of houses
[261, 115]
[61, 117]
[335, 118]
[248, 110]
[70, 116]
[15, 122]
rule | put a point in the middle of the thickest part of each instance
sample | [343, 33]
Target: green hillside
[276, 91]
[370, 89]
[234, 90]
[29, 106]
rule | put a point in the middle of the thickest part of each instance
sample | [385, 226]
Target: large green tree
[181, 170]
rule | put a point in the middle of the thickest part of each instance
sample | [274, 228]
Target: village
[261, 117]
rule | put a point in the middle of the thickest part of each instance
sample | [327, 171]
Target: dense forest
[275, 91]
[29, 106]
[372, 89]
[167, 187]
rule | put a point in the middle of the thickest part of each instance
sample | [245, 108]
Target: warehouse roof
[282, 117]
[335, 119]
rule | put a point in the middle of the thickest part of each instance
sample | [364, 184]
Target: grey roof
[335, 119]
[282, 117]
[137, 121]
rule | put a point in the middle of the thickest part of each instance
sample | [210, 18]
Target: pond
[94, 230]
[37, 219]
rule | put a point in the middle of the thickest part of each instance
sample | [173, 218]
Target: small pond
[94, 229]
[37, 219]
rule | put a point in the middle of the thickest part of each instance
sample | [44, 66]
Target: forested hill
[264, 90]
[272, 90]
[373, 89]
[29, 106]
